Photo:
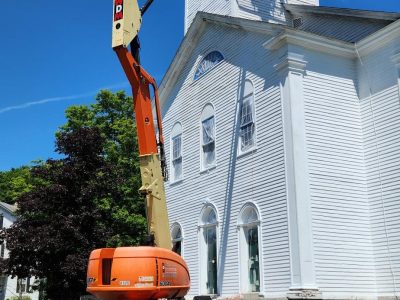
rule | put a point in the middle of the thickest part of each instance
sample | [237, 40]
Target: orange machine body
[136, 273]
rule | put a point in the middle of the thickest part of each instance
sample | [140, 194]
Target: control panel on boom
[146, 272]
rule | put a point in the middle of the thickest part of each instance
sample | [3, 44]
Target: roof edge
[186, 46]
[345, 12]
[9, 208]
[311, 41]
[379, 38]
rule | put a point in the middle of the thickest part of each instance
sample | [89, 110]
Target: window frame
[23, 285]
[203, 58]
[177, 226]
[247, 96]
[203, 247]
[244, 280]
[176, 132]
[207, 113]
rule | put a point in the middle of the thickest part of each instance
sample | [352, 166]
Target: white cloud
[62, 98]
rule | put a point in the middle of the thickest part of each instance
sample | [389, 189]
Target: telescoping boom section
[145, 273]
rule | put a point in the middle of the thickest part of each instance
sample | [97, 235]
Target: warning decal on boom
[118, 10]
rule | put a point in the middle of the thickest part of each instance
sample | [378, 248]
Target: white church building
[282, 125]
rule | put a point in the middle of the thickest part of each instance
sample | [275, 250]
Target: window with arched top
[207, 137]
[207, 63]
[176, 152]
[209, 217]
[208, 251]
[177, 238]
[247, 119]
[249, 248]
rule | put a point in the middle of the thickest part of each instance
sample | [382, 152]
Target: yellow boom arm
[127, 19]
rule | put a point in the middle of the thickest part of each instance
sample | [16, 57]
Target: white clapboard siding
[303, 2]
[342, 28]
[221, 7]
[257, 177]
[343, 248]
[381, 127]
[352, 119]
[266, 10]
[261, 10]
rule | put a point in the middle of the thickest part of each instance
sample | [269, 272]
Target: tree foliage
[62, 221]
[84, 201]
[14, 183]
[113, 115]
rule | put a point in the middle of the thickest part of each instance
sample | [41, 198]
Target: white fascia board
[342, 12]
[182, 55]
[311, 41]
[263, 27]
[379, 39]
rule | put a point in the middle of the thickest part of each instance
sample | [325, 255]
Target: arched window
[177, 238]
[247, 119]
[207, 63]
[207, 138]
[208, 250]
[176, 152]
[249, 248]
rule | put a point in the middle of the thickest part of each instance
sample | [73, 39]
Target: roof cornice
[8, 208]
[310, 41]
[345, 12]
[241, 23]
[379, 39]
[182, 55]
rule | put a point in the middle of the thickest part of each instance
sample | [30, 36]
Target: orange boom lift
[145, 273]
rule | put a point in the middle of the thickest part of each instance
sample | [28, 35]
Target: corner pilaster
[396, 60]
[292, 69]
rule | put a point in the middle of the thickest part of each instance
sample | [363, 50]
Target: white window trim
[214, 165]
[181, 239]
[240, 227]
[202, 285]
[173, 180]
[202, 57]
[252, 149]
[24, 282]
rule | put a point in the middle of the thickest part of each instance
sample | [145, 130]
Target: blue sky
[57, 53]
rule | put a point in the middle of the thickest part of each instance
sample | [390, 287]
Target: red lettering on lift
[118, 10]
[118, 16]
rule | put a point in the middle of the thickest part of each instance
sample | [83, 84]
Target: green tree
[15, 182]
[113, 115]
[77, 210]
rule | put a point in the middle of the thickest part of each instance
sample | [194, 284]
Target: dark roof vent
[297, 22]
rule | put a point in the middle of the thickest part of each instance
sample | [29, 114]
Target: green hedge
[18, 298]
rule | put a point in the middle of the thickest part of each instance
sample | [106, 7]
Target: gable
[189, 45]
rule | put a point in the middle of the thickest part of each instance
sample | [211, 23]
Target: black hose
[135, 49]
[146, 6]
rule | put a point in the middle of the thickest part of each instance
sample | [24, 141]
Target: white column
[396, 61]
[303, 281]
